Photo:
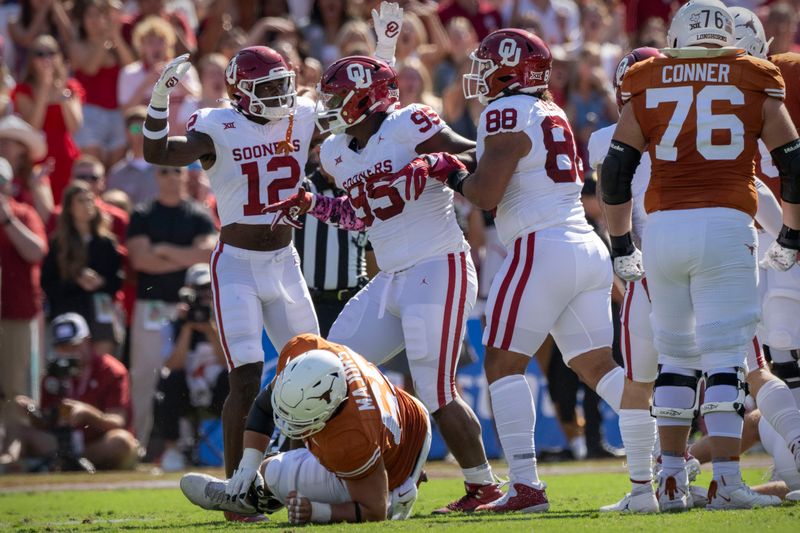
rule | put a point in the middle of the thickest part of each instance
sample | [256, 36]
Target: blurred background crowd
[80, 207]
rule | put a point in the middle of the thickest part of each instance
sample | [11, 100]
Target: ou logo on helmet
[361, 77]
[509, 53]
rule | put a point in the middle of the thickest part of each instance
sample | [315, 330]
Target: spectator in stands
[165, 237]
[653, 33]
[327, 18]
[83, 270]
[185, 39]
[51, 101]
[270, 29]
[781, 25]
[559, 20]
[22, 145]
[94, 400]
[7, 83]
[356, 38]
[423, 36]
[97, 56]
[482, 14]
[598, 26]
[232, 41]
[118, 199]
[154, 41]
[459, 113]
[414, 82]
[133, 175]
[194, 377]
[38, 17]
[23, 245]
[213, 91]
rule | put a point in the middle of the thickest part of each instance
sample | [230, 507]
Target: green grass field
[574, 498]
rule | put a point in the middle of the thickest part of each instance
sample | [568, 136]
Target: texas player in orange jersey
[700, 112]
[365, 443]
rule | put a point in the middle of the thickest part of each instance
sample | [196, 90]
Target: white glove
[387, 27]
[169, 79]
[629, 267]
[243, 477]
[779, 258]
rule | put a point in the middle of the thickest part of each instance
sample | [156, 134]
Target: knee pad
[789, 373]
[726, 379]
[670, 379]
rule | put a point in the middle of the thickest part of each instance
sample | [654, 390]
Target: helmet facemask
[329, 112]
[475, 83]
[281, 103]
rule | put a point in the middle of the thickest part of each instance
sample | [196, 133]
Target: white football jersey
[250, 172]
[405, 225]
[599, 142]
[545, 189]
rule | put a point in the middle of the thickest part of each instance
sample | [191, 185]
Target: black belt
[335, 295]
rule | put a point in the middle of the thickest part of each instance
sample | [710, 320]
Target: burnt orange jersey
[376, 421]
[789, 65]
[701, 118]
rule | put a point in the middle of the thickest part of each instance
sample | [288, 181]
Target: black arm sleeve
[787, 159]
[259, 419]
[617, 172]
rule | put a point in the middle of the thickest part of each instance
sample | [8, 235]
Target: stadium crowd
[80, 206]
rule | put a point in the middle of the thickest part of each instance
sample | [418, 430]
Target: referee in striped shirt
[334, 262]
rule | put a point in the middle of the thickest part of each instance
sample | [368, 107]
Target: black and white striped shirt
[331, 259]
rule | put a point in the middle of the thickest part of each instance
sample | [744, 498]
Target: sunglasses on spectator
[169, 170]
[87, 177]
[45, 53]
[135, 128]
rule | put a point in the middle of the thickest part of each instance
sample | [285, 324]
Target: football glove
[239, 485]
[290, 210]
[387, 28]
[169, 79]
[779, 256]
[627, 258]
[442, 165]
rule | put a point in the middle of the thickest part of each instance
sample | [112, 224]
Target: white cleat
[739, 496]
[644, 502]
[793, 496]
[209, 493]
[795, 449]
[698, 497]
[673, 493]
[692, 468]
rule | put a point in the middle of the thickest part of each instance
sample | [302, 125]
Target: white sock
[610, 387]
[728, 469]
[672, 465]
[638, 431]
[723, 423]
[515, 418]
[785, 466]
[478, 475]
[776, 404]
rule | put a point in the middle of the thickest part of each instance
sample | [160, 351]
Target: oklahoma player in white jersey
[427, 285]
[254, 154]
[557, 275]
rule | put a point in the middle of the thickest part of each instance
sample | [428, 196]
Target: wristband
[622, 245]
[155, 135]
[789, 238]
[456, 179]
[251, 458]
[320, 512]
[159, 114]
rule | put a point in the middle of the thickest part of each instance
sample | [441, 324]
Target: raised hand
[169, 79]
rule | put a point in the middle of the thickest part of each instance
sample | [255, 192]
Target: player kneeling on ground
[365, 443]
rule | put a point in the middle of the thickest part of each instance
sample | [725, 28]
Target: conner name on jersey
[683, 72]
[353, 376]
[381, 167]
[262, 150]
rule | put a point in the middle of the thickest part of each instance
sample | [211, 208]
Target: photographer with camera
[84, 419]
[194, 379]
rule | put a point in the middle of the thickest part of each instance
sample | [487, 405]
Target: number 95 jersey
[701, 117]
[251, 171]
[545, 189]
[406, 222]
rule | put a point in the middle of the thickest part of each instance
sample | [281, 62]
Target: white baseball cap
[198, 275]
[69, 328]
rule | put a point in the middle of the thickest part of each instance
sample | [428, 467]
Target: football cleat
[233, 517]
[476, 495]
[699, 496]
[795, 449]
[644, 502]
[209, 493]
[723, 497]
[520, 497]
[673, 493]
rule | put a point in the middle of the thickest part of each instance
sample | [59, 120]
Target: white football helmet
[307, 393]
[701, 22]
[749, 33]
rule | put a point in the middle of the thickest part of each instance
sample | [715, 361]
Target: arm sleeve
[337, 212]
[259, 419]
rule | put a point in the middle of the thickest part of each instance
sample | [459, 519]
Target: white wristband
[159, 114]
[251, 458]
[320, 512]
[155, 135]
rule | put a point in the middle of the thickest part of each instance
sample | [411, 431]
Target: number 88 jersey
[545, 189]
[701, 117]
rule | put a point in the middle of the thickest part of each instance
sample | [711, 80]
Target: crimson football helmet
[632, 57]
[352, 89]
[260, 83]
[508, 61]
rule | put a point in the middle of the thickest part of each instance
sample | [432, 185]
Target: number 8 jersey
[703, 116]
[545, 189]
[250, 171]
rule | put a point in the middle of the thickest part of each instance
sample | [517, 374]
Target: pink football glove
[291, 209]
[442, 165]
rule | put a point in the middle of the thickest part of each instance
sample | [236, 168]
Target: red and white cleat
[233, 517]
[476, 495]
[519, 497]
